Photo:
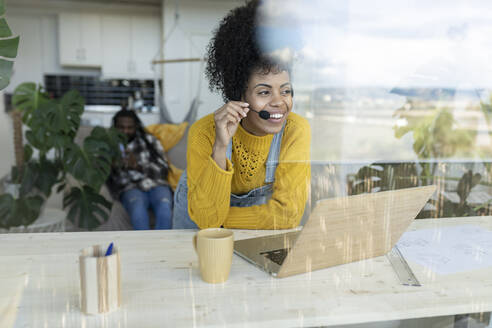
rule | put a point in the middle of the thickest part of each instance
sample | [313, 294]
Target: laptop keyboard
[277, 256]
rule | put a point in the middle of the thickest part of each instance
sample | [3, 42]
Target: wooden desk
[39, 284]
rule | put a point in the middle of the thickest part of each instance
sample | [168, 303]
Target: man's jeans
[137, 202]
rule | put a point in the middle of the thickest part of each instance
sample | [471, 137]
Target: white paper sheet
[450, 249]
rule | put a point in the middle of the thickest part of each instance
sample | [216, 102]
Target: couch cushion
[174, 140]
[168, 134]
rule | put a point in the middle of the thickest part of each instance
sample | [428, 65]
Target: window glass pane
[398, 94]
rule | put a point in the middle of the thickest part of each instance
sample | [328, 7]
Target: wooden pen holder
[100, 280]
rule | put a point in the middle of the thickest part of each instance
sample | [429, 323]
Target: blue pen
[110, 250]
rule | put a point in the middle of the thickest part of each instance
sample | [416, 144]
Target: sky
[385, 43]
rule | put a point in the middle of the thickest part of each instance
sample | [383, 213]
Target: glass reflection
[395, 95]
[398, 95]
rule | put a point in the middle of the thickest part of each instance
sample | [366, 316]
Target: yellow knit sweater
[210, 187]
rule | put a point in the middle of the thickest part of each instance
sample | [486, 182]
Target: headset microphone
[262, 113]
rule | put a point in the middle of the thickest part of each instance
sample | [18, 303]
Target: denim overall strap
[181, 218]
[273, 155]
[229, 150]
[261, 195]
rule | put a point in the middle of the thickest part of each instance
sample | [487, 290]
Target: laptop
[338, 231]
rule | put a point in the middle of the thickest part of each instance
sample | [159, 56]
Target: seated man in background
[139, 181]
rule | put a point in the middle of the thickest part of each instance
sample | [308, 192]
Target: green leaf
[17, 212]
[31, 138]
[39, 176]
[87, 208]
[58, 120]
[91, 163]
[28, 209]
[49, 176]
[23, 96]
[27, 152]
[41, 140]
[73, 102]
[5, 31]
[8, 47]
[65, 115]
[5, 72]
[62, 141]
[15, 174]
[28, 97]
[30, 174]
[6, 209]
[112, 137]
[74, 161]
[52, 123]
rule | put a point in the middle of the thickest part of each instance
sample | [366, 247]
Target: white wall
[197, 20]
[37, 24]
[38, 51]
[27, 67]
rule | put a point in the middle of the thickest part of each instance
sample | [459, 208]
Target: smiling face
[271, 92]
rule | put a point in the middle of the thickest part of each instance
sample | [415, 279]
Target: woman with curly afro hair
[248, 162]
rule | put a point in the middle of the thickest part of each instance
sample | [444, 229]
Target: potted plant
[50, 160]
[436, 136]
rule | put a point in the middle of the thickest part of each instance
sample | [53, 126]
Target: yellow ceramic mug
[214, 247]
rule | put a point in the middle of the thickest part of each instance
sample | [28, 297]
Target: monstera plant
[51, 160]
[8, 49]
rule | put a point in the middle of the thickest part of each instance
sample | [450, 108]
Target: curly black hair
[233, 53]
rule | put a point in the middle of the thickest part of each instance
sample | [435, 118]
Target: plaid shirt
[149, 173]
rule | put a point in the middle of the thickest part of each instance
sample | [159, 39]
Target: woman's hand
[227, 120]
